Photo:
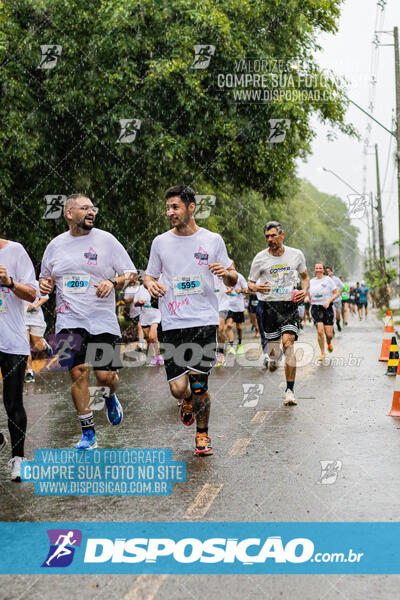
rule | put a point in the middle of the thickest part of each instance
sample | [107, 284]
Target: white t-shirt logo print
[91, 256]
[201, 256]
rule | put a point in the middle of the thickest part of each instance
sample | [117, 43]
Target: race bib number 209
[76, 284]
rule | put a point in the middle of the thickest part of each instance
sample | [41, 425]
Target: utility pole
[369, 261]
[382, 265]
[397, 80]
[371, 199]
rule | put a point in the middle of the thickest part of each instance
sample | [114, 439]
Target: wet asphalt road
[266, 466]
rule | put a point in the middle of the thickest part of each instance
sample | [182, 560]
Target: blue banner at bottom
[200, 548]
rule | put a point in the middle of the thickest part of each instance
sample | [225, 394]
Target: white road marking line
[145, 587]
[239, 447]
[203, 501]
[259, 417]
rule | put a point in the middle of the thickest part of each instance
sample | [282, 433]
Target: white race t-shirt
[236, 301]
[338, 282]
[35, 317]
[13, 336]
[190, 300]
[321, 290]
[76, 263]
[280, 272]
[130, 291]
[220, 289]
[148, 314]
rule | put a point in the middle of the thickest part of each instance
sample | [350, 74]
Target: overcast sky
[349, 53]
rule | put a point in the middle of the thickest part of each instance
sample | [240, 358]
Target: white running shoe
[15, 465]
[289, 400]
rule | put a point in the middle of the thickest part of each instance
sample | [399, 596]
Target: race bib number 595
[75, 284]
[192, 284]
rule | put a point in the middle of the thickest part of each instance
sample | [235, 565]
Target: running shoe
[256, 334]
[3, 441]
[179, 401]
[203, 445]
[346, 323]
[15, 466]
[338, 326]
[186, 413]
[88, 440]
[273, 366]
[321, 357]
[114, 410]
[160, 360]
[153, 362]
[231, 350]
[266, 361]
[239, 349]
[330, 347]
[29, 378]
[289, 400]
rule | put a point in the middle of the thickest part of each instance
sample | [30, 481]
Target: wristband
[12, 284]
[113, 281]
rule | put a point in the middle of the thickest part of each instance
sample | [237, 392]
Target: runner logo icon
[91, 256]
[62, 547]
[201, 256]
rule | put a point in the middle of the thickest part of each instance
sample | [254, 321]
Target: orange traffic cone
[395, 410]
[393, 357]
[387, 337]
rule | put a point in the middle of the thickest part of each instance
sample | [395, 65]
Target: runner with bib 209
[81, 263]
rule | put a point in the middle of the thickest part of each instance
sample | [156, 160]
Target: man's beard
[183, 222]
[86, 226]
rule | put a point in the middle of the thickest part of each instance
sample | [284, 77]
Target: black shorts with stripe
[279, 318]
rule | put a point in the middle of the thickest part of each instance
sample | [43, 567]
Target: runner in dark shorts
[186, 258]
[323, 292]
[278, 269]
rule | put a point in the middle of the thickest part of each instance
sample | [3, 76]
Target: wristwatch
[12, 284]
[113, 281]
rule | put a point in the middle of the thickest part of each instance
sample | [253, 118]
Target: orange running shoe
[203, 445]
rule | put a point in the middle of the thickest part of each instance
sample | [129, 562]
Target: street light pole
[340, 179]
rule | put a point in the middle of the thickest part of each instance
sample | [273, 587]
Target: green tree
[133, 59]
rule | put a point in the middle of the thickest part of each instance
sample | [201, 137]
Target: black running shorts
[237, 317]
[279, 318]
[189, 349]
[77, 346]
[321, 314]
